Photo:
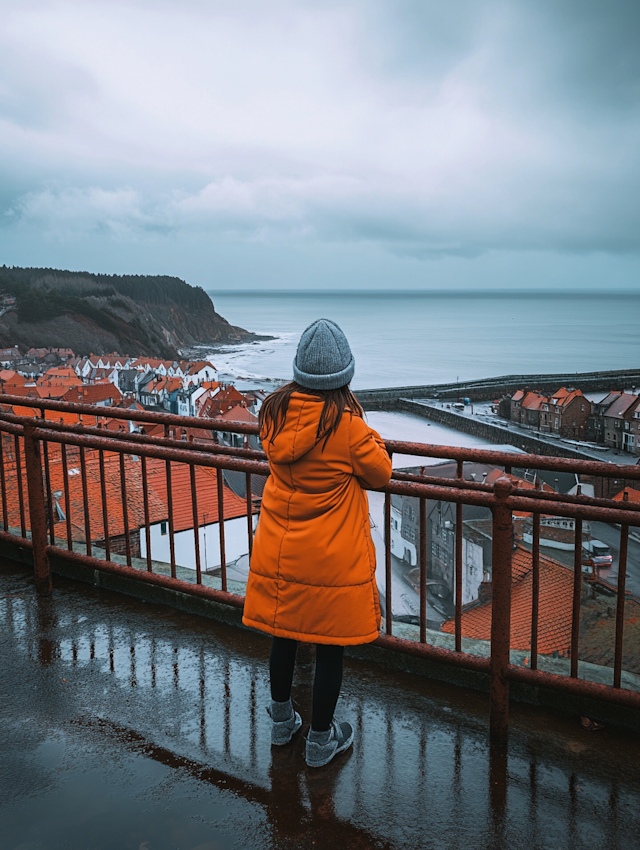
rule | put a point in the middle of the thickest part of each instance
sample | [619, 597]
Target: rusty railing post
[37, 512]
[500, 612]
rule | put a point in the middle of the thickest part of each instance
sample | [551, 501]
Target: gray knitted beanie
[323, 360]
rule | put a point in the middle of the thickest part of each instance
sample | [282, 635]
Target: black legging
[326, 684]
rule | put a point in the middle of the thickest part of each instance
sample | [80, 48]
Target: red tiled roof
[135, 502]
[206, 494]
[518, 395]
[9, 376]
[522, 483]
[555, 607]
[238, 414]
[192, 368]
[532, 401]
[632, 495]
[93, 393]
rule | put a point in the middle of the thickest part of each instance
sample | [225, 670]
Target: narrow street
[610, 535]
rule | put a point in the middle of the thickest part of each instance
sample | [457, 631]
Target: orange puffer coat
[313, 565]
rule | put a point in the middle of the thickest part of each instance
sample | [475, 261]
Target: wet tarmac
[131, 725]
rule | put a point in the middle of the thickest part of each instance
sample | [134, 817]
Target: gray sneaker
[283, 731]
[323, 746]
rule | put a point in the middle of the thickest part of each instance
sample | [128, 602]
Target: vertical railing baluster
[48, 494]
[500, 612]
[249, 512]
[3, 483]
[622, 580]
[172, 542]
[67, 498]
[196, 528]
[105, 512]
[125, 509]
[388, 616]
[535, 590]
[85, 499]
[37, 512]
[19, 483]
[223, 551]
[423, 570]
[145, 499]
[458, 565]
[577, 590]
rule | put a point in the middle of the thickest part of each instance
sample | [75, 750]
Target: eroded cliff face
[153, 316]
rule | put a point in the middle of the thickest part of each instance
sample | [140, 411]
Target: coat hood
[299, 434]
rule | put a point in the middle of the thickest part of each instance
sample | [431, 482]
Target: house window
[163, 528]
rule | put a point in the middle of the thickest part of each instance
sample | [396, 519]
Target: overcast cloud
[192, 133]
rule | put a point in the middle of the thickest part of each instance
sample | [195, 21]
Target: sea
[409, 338]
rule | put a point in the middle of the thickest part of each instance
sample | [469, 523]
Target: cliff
[132, 314]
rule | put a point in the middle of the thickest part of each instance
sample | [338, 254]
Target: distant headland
[151, 315]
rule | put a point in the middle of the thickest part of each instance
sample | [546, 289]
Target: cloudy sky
[294, 143]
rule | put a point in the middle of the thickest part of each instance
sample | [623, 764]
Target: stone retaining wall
[485, 430]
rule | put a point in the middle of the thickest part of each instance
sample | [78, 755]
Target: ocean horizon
[407, 337]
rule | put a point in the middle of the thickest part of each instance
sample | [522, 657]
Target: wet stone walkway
[130, 725]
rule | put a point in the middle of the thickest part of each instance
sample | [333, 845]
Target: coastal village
[612, 420]
[191, 388]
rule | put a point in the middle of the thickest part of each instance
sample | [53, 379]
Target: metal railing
[31, 446]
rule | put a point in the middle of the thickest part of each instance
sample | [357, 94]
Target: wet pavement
[131, 725]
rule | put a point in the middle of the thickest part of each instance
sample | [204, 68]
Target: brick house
[631, 429]
[565, 413]
[615, 418]
[527, 409]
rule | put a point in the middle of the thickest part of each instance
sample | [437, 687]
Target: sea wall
[487, 389]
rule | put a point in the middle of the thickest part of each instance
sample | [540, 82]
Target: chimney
[484, 592]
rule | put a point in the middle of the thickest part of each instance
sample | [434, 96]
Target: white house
[235, 518]
[236, 543]
[196, 373]
[400, 546]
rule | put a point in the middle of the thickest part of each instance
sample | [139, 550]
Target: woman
[312, 576]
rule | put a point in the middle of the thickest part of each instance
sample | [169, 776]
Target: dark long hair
[273, 412]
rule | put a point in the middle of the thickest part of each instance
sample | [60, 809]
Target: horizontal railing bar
[611, 515]
[529, 461]
[160, 452]
[97, 431]
[521, 461]
[565, 498]
[15, 540]
[435, 493]
[434, 653]
[132, 415]
[580, 687]
[17, 427]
